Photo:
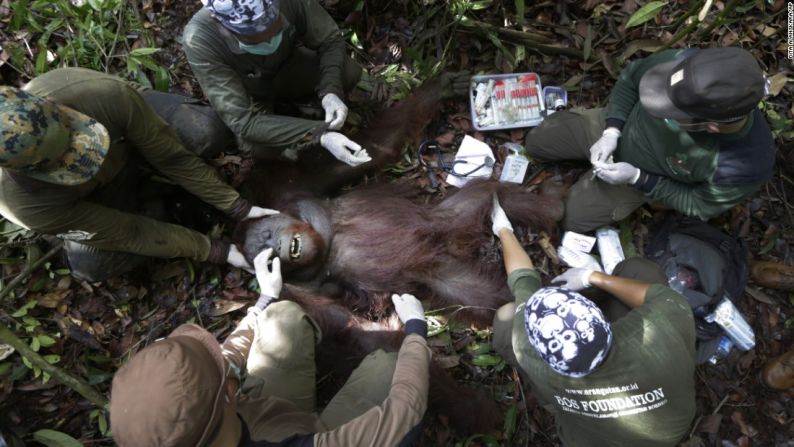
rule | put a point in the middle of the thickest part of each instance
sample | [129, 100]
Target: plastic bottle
[723, 349]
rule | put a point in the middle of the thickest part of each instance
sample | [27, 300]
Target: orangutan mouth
[295, 247]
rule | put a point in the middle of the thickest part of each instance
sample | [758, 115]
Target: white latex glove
[257, 212]
[335, 111]
[605, 146]
[574, 279]
[499, 218]
[269, 278]
[621, 173]
[344, 149]
[408, 307]
[236, 259]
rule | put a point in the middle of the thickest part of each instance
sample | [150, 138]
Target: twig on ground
[57, 374]
[30, 269]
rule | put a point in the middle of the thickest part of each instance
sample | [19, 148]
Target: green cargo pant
[296, 81]
[591, 203]
[281, 363]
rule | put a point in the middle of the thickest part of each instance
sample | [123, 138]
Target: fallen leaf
[5, 351]
[647, 45]
[52, 299]
[447, 361]
[759, 295]
[223, 307]
[710, 423]
[738, 418]
[777, 82]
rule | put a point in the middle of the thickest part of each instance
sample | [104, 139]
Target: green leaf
[52, 358]
[53, 438]
[34, 344]
[646, 13]
[146, 51]
[22, 311]
[520, 9]
[5, 367]
[103, 424]
[62, 272]
[27, 362]
[162, 80]
[45, 340]
[588, 44]
[509, 426]
[486, 360]
[41, 61]
[39, 284]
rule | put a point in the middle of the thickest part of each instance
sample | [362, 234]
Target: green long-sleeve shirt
[238, 83]
[699, 174]
[643, 394]
[133, 126]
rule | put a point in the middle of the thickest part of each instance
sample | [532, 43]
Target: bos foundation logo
[621, 403]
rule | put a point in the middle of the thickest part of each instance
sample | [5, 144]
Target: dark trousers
[591, 203]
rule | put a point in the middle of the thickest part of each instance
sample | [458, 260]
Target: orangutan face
[294, 241]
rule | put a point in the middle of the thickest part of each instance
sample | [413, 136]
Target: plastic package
[609, 248]
[728, 317]
[516, 165]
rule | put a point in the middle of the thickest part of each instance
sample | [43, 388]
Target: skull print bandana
[245, 17]
[567, 330]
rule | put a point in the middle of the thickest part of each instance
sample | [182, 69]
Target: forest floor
[90, 329]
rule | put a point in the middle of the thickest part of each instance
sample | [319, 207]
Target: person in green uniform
[73, 144]
[623, 382]
[681, 129]
[257, 389]
[247, 55]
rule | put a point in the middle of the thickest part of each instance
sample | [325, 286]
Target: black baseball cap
[715, 84]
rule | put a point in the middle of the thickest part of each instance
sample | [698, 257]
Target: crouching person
[257, 389]
[625, 383]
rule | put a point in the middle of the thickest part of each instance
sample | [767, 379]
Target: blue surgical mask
[263, 48]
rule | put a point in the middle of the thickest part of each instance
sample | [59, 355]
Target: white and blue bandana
[245, 17]
[567, 330]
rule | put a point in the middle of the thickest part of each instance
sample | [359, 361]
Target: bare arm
[513, 253]
[629, 291]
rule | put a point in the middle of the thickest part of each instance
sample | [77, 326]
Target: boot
[779, 372]
[773, 275]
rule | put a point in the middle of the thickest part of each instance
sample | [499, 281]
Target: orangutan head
[294, 241]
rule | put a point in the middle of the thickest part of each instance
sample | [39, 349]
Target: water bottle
[723, 349]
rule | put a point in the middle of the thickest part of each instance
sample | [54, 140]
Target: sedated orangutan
[374, 241]
[343, 258]
[349, 254]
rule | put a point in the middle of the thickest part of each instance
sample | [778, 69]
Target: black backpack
[705, 265]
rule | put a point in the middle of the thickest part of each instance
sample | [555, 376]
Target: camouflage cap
[49, 142]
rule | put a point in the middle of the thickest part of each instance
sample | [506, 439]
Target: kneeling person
[257, 389]
[625, 383]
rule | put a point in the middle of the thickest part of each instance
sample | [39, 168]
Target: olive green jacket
[69, 212]
[238, 84]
